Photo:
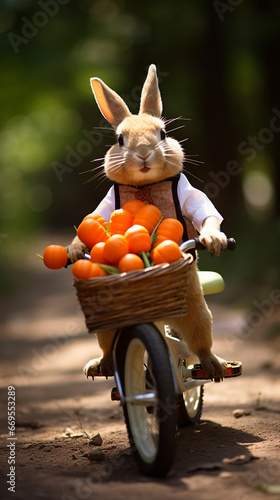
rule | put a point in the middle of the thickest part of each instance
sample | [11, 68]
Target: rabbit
[147, 164]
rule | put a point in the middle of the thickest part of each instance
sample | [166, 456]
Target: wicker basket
[125, 299]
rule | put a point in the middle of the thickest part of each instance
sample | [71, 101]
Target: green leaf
[154, 233]
[108, 269]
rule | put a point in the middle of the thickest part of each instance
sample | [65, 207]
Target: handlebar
[195, 244]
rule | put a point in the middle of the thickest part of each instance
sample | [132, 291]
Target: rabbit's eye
[162, 134]
[120, 140]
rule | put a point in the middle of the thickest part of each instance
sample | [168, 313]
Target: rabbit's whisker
[99, 173]
[177, 128]
[104, 128]
[116, 155]
[92, 169]
[99, 183]
[101, 177]
[193, 175]
[93, 178]
[119, 160]
[117, 167]
[193, 161]
[166, 122]
[170, 120]
[97, 159]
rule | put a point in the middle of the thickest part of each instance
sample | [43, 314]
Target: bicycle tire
[151, 427]
[190, 406]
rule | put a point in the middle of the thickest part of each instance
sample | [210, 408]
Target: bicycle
[157, 383]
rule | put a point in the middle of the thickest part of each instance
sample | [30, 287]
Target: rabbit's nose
[143, 156]
[143, 152]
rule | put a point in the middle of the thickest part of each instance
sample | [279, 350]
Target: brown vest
[161, 194]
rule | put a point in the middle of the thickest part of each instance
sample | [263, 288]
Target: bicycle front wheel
[150, 409]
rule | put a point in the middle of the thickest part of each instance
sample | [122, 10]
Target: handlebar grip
[199, 245]
[231, 244]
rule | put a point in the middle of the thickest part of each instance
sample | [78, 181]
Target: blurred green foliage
[217, 65]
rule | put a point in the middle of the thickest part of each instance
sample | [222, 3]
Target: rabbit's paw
[98, 367]
[215, 241]
[214, 366]
[75, 252]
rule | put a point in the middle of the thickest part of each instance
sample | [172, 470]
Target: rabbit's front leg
[196, 327]
[104, 364]
[214, 240]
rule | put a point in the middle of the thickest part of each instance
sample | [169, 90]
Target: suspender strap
[179, 214]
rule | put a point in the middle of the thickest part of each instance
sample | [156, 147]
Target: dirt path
[44, 347]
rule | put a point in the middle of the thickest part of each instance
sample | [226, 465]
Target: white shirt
[195, 205]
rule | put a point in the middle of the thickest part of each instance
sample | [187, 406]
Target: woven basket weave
[125, 299]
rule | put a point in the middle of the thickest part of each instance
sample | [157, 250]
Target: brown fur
[143, 159]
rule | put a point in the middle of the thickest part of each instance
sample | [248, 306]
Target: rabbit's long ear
[111, 105]
[150, 98]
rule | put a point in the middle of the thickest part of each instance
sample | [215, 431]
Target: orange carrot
[171, 229]
[91, 232]
[167, 251]
[130, 262]
[55, 257]
[138, 239]
[120, 221]
[98, 218]
[148, 216]
[85, 269]
[115, 248]
[133, 206]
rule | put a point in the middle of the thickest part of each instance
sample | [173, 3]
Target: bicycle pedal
[115, 395]
[233, 369]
